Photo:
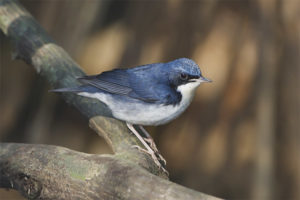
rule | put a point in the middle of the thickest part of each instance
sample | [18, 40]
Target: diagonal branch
[35, 47]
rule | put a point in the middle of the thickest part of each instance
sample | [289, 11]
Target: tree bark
[59, 173]
[49, 172]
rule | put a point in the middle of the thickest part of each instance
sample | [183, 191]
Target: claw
[164, 162]
[153, 146]
[151, 143]
[152, 154]
[150, 148]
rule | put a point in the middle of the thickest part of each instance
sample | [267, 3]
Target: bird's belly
[138, 112]
[144, 114]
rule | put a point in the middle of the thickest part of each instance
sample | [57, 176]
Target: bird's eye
[183, 77]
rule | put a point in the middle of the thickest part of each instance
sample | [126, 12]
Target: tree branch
[81, 176]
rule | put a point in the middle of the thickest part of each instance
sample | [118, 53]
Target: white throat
[188, 91]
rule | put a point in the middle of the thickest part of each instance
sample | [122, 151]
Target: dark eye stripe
[193, 77]
[187, 78]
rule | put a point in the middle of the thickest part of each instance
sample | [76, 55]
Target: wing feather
[117, 82]
[106, 86]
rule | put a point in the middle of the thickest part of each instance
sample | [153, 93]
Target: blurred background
[239, 139]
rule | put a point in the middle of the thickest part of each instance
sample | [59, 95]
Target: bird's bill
[201, 79]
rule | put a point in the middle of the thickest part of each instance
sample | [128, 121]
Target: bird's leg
[151, 142]
[148, 139]
[149, 150]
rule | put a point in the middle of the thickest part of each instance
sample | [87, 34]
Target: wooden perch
[59, 173]
[49, 172]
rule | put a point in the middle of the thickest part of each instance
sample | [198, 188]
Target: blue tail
[81, 88]
[73, 90]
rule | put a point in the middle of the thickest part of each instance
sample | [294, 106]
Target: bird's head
[185, 75]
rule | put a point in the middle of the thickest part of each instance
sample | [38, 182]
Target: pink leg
[151, 142]
[148, 150]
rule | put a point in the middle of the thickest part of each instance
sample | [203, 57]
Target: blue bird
[151, 94]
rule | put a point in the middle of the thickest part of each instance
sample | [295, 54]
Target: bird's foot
[151, 143]
[151, 153]
[160, 162]
[156, 151]
[149, 149]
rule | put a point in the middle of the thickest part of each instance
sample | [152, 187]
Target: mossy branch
[53, 172]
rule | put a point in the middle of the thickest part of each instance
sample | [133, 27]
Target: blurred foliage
[239, 139]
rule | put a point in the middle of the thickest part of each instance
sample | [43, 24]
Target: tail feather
[81, 88]
[73, 90]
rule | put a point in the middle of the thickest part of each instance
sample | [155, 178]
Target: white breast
[138, 112]
[188, 91]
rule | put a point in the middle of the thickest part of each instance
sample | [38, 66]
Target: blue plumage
[131, 92]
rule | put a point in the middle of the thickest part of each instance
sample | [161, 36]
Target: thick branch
[81, 176]
[34, 46]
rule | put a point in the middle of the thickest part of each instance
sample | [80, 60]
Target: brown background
[239, 139]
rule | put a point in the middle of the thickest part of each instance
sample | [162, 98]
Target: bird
[147, 95]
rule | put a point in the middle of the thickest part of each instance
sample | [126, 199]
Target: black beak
[203, 79]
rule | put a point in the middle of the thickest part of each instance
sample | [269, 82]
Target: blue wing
[139, 83]
[151, 82]
[117, 82]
